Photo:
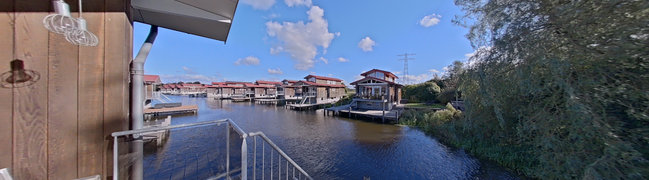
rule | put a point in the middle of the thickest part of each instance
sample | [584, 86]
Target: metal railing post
[271, 164]
[263, 160]
[227, 151]
[286, 170]
[254, 158]
[115, 159]
[244, 157]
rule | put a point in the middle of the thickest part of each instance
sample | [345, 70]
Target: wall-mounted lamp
[61, 22]
[18, 76]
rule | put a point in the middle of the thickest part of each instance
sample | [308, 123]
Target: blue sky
[288, 39]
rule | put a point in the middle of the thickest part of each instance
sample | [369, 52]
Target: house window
[378, 75]
[312, 79]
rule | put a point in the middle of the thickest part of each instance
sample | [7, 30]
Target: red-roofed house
[151, 79]
[151, 85]
[240, 89]
[320, 89]
[261, 82]
[165, 88]
[377, 87]
[289, 89]
[268, 89]
[192, 89]
[220, 90]
[261, 91]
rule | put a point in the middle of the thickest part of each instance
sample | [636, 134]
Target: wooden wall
[289, 92]
[59, 127]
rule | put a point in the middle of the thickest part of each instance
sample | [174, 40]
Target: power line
[405, 60]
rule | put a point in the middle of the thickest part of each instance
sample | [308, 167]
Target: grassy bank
[424, 106]
[445, 125]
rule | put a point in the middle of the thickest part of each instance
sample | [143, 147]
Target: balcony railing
[289, 169]
[370, 96]
[308, 94]
[274, 162]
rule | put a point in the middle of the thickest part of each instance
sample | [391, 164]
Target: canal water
[326, 147]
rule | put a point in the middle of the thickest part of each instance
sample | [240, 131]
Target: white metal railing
[301, 174]
[309, 94]
[371, 96]
[289, 170]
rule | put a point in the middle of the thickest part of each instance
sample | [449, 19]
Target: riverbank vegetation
[555, 89]
[424, 106]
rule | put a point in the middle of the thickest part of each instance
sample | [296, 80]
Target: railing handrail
[279, 151]
[144, 130]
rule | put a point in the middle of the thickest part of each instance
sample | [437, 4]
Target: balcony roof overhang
[207, 18]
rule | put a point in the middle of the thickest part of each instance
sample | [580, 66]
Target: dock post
[383, 110]
[397, 116]
[350, 112]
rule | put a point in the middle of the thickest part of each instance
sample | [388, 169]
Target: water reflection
[327, 147]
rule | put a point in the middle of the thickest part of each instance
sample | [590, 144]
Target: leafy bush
[427, 119]
[423, 92]
[441, 117]
[345, 100]
[447, 95]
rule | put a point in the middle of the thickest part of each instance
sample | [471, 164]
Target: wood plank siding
[59, 127]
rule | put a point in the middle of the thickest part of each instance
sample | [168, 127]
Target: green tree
[430, 91]
[564, 81]
[423, 92]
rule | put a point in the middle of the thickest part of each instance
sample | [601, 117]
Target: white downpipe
[137, 101]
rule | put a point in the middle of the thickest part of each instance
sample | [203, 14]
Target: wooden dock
[275, 101]
[240, 99]
[391, 115]
[267, 101]
[298, 106]
[171, 111]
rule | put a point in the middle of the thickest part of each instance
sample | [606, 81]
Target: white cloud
[276, 50]
[188, 70]
[430, 20]
[337, 34]
[326, 61]
[342, 59]
[260, 4]
[434, 71]
[272, 16]
[358, 77]
[291, 3]
[414, 79]
[250, 60]
[469, 55]
[275, 71]
[171, 78]
[366, 44]
[301, 40]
